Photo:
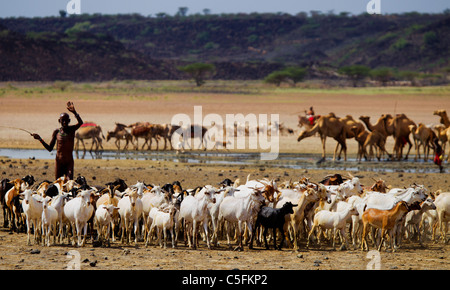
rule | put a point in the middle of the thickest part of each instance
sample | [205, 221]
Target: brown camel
[373, 139]
[443, 135]
[89, 130]
[444, 118]
[401, 125]
[143, 130]
[120, 133]
[378, 126]
[328, 126]
[163, 131]
[398, 127]
[422, 136]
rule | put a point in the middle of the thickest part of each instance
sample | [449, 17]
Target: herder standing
[64, 139]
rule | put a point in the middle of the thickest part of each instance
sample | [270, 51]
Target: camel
[164, 131]
[192, 132]
[398, 127]
[443, 134]
[120, 133]
[444, 118]
[378, 126]
[401, 125]
[142, 130]
[89, 130]
[372, 139]
[422, 136]
[328, 126]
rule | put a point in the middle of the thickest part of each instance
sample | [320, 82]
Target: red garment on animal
[89, 125]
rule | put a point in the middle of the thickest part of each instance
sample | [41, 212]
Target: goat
[334, 179]
[214, 209]
[414, 217]
[194, 209]
[308, 195]
[32, 208]
[78, 212]
[155, 198]
[48, 220]
[241, 209]
[103, 220]
[164, 221]
[18, 186]
[384, 220]
[58, 204]
[386, 201]
[273, 218]
[333, 220]
[110, 198]
[130, 210]
[346, 188]
[379, 186]
[442, 203]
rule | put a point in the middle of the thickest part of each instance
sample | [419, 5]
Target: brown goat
[384, 220]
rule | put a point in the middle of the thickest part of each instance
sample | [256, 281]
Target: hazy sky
[40, 8]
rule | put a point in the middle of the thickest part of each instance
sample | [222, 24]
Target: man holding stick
[64, 139]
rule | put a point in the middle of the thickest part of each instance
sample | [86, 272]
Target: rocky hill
[242, 46]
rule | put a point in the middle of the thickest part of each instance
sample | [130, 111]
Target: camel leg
[335, 151]
[82, 142]
[409, 148]
[92, 144]
[323, 139]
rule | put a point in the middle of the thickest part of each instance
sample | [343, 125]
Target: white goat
[386, 201]
[32, 208]
[103, 220]
[333, 220]
[155, 198]
[48, 221]
[163, 220]
[194, 210]
[78, 211]
[58, 203]
[214, 209]
[414, 217]
[130, 210]
[442, 203]
[346, 189]
[241, 210]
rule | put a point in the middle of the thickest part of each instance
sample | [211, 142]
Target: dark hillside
[82, 57]
[242, 46]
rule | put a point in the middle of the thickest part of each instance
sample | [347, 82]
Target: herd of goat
[301, 211]
[370, 137]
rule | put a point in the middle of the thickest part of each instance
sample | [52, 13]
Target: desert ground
[36, 107]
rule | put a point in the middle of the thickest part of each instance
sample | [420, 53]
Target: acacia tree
[290, 74]
[355, 72]
[199, 71]
[382, 75]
